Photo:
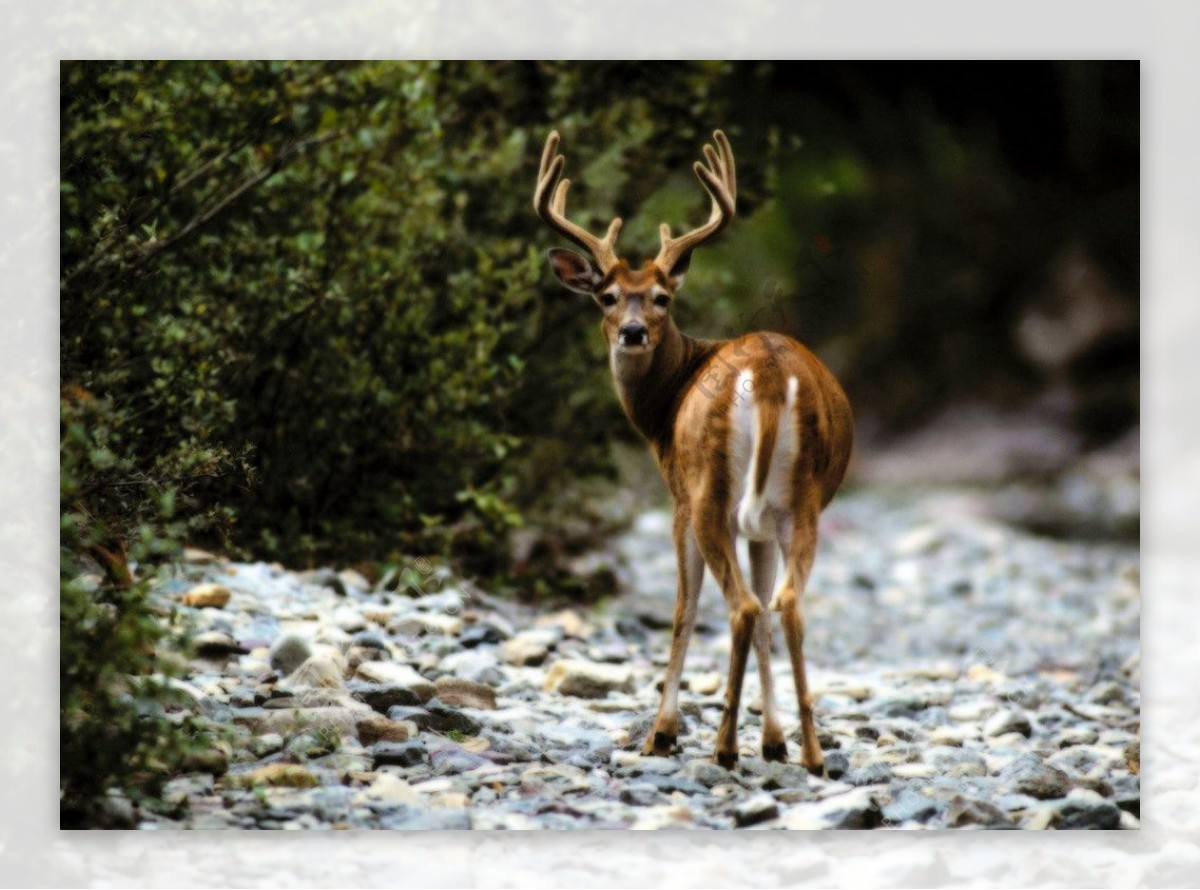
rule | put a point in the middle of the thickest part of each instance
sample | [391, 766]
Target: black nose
[633, 334]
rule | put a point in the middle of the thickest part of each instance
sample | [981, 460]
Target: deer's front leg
[665, 732]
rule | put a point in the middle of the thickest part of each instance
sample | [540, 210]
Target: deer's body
[752, 436]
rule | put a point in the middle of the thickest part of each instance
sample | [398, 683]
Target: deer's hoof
[776, 752]
[660, 744]
[727, 759]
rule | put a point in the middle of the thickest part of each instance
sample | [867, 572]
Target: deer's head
[636, 302]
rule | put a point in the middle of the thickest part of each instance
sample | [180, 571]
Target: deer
[752, 437]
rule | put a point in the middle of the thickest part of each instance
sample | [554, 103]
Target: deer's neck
[651, 386]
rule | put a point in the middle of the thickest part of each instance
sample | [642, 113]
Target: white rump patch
[757, 513]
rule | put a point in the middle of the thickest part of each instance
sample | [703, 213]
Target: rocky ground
[967, 674]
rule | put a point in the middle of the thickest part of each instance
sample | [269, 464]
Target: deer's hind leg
[714, 535]
[665, 732]
[762, 579]
[798, 540]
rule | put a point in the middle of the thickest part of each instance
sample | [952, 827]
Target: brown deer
[752, 437]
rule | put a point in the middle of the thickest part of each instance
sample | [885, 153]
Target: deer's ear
[679, 271]
[574, 270]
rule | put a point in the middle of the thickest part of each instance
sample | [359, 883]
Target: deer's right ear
[574, 270]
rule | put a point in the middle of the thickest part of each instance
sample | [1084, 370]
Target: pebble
[586, 679]
[873, 774]
[323, 669]
[408, 753]
[1088, 810]
[757, 808]
[855, 809]
[278, 774]
[375, 728]
[288, 652]
[393, 674]
[1028, 775]
[216, 644]
[529, 648]
[705, 684]
[207, 596]
[465, 693]
[964, 811]
[383, 696]
[1004, 722]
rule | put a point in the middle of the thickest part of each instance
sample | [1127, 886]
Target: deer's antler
[551, 205]
[719, 179]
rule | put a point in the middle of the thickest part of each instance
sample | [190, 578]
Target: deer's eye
[662, 301]
[608, 300]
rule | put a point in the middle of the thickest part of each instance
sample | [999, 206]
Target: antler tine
[719, 179]
[550, 202]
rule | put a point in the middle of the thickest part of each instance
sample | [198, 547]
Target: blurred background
[305, 313]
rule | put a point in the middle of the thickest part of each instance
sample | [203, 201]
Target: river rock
[216, 644]
[1028, 775]
[207, 596]
[289, 652]
[323, 669]
[460, 693]
[1003, 722]
[964, 811]
[374, 728]
[407, 753]
[852, 809]
[393, 674]
[287, 775]
[586, 679]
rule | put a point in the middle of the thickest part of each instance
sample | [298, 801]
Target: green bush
[309, 294]
[117, 729]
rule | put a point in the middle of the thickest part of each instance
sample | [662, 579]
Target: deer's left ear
[679, 271]
[574, 270]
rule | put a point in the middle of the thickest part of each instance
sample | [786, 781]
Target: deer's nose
[633, 334]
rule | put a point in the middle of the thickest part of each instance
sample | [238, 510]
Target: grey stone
[436, 716]
[410, 818]
[289, 652]
[757, 808]
[869, 774]
[971, 811]
[383, 696]
[641, 794]
[585, 679]
[478, 635]
[265, 745]
[706, 773]
[369, 639]
[911, 806]
[408, 753]
[1088, 810]
[659, 766]
[452, 759]
[1003, 722]
[312, 743]
[216, 644]
[772, 775]
[854, 809]
[1028, 775]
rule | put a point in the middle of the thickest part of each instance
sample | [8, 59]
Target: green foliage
[308, 294]
[117, 729]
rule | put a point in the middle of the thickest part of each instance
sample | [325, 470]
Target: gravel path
[966, 675]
